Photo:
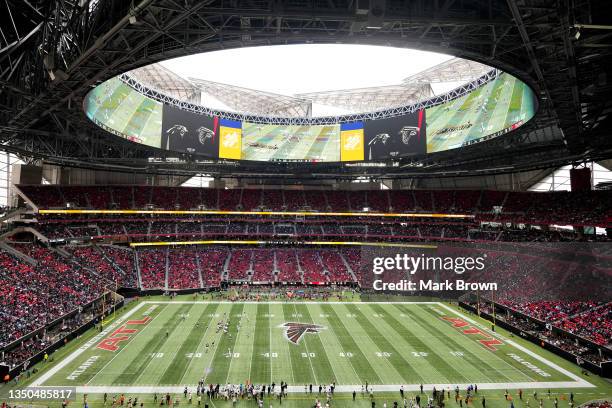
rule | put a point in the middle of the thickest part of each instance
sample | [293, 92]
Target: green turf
[380, 343]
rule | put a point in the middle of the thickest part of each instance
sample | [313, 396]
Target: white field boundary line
[299, 389]
[580, 381]
[44, 377]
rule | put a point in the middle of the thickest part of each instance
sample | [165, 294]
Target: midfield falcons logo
[295, 331]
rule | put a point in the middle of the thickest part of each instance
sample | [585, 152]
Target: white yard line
[327, 356]
[44, 377]
[270, 347]
[287, 346]
[174, 354]
[377, 323]
[197, 349]
[217, 342]
[343, 388]
[252, 343]
[580, 381]
[231, 356]
[335, 337]
[307, 352]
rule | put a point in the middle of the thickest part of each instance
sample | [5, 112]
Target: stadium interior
[221, 237]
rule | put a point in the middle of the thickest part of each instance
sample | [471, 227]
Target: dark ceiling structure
[52, 52]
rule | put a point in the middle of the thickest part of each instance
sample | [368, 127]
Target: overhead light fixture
[133, 19]
[577, 35]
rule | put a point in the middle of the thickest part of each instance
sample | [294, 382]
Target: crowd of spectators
[286, 262]
[94, 259]
[263, 265]
[548, 332]
[337, 269]
[211, 265]
[576, 208]
[32, 296]
[39, 341]
[240, 265]
[312, 266]
[183, 270]
[552, 311]
[123, 259]
[153, 263]
[595, 325]
[587, 319]
[139, 228]
[597, 404]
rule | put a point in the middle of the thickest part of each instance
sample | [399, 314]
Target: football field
[160, 346]
[291, 142]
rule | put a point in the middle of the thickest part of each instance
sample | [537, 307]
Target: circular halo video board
[495, 108]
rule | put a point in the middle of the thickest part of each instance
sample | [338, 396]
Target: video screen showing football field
[164, 346]
[501, 105]
[121, 110]
[263, 142]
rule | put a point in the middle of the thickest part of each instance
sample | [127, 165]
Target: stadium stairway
[225, 273]
[111, 261]
[299, 266]
[348, 266]
[5, 247]
[62, 252]
[18, 230]
[275, 271]
[167, 263]
[197, 258]
[326, 273]
[137, 264]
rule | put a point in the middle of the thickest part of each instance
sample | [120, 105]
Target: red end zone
[112, 342]
[488, 341]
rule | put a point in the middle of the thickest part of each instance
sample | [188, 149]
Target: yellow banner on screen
[351, 142]
[230, 139]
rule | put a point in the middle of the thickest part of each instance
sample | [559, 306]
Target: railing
[323, 120]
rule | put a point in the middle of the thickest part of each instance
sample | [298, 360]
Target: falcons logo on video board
[295, 331]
